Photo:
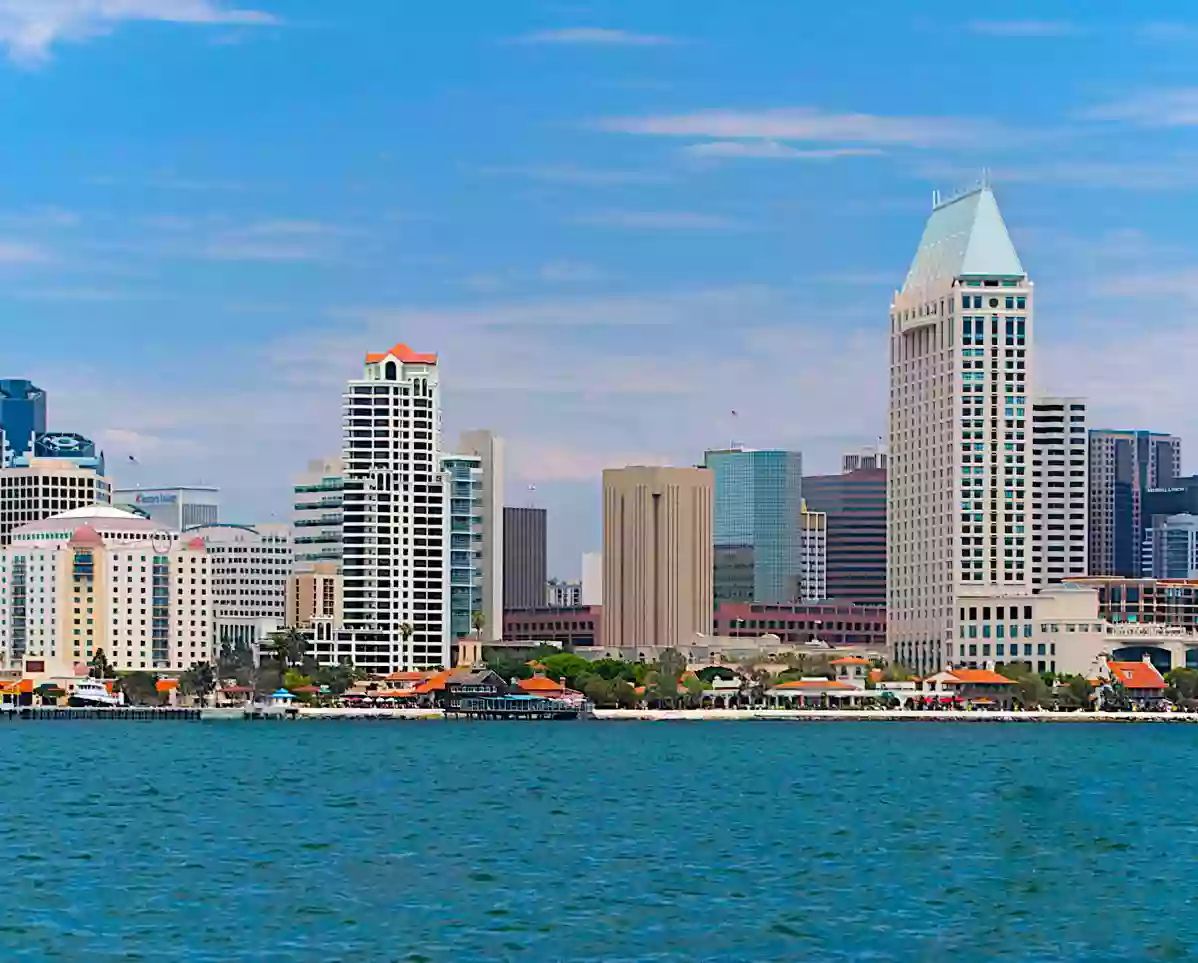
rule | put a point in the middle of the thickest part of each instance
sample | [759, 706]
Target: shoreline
[761, 715]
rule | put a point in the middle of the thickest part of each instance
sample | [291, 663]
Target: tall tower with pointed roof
[961, 377]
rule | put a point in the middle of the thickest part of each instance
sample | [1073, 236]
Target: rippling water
[596, 841]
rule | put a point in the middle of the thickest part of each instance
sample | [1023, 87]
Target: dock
[123, 713]
[523, 707]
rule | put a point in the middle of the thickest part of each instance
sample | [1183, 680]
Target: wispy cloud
[30, 29]
[279, 240]
[572, 174]
[772, 150]
[21, 252]
[662, 221]
[1168, 32]
[1167, 107]
[1025, 28]
[595, 36]
[802, 124]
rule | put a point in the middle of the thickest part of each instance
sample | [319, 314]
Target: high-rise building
[872, 459]
[758, 500]
[486, 524]
[657, 555]
[813, 556]
[1123, 466]
[22, 417]
[99, 578]
[524, 558]
[314, 605]
[1059, 486]
[855, 503]
[44, 487]
[394, 558]
[175, 509]
[961, 377]
[318, 514]
[249, 567]
[563, 595]
[592, 578]
[1171, 548]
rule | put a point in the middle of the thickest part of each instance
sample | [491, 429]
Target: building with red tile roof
[1140, 679]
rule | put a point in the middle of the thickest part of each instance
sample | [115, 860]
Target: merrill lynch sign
[162, 499]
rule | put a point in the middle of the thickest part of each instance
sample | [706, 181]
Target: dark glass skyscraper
[855, 503]
[22, 415]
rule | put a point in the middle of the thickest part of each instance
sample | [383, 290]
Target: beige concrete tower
[658, 555]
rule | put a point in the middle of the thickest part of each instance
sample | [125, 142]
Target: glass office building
[758, 501]
[22, 417]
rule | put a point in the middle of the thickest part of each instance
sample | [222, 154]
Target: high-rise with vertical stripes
[961, 381]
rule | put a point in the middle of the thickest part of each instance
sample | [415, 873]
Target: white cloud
[772, 150]
[1025, 28]
[803, 124]
[1167, 107]
[662, 221]
[31, 28]
[595, 36]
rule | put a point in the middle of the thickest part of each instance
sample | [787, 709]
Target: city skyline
[721, 199]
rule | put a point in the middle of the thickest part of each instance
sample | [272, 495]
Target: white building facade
[961, 380]
[396, 506]
[1060, 482]
[97, 578]
[563, 595]
[174, 509]
[813, 556]
[47, 487]
[249, 568]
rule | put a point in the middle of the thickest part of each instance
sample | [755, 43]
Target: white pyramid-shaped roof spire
[964, 237]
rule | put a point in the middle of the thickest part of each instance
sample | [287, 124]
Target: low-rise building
[832, 622]
[574, 626]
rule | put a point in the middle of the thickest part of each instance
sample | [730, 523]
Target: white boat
[89, 692]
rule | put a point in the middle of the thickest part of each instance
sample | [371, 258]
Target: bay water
[598, 841]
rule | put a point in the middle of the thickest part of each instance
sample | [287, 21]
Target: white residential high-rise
[488, 529]
[44, 487]
[961, 377]
[1059, 486]
[813, 556]
[395, 565]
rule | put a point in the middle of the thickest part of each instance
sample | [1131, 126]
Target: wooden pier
[526, 708]
[124, 713]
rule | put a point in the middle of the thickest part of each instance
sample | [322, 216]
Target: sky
[616, 222]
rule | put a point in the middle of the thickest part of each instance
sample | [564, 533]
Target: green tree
[236, 662]
[288, 647]
[624, 694]
[140, 688]
[1078, 691]
[99, 667]
[566, 665]
[695, 690]
[598, 690]
[1183, 685]
[1030, 689]
[896, 673]
[198, 681]
[478, 622]
[671, 663]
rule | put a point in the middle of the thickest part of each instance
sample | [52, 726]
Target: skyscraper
[524, 558]
[319, 514]
[487, 523]
[394, 559]
[22, 416]
[657, 556]
[855, 503]
[1059, 486]
[1124, 465]
[758, 501]
[961, 376]
[813, 556]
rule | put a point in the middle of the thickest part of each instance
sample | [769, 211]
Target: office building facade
[758, 542]
[813, 556]
[855, 505]
[486, 515]
[657, 556]
[1124, 465]
[318, 514]
[961, 381]
[525, 564]
[563, 595]
[1060, 483]
[869, 459]
[175, 509]
[44, 487]
[394, 558]
[1171, 548]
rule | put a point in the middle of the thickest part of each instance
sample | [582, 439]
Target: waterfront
[288, 843]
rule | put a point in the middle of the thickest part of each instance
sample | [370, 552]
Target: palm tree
[406, 631]
[100, 667]
[288, 646]
[198, 681]
[477, 622]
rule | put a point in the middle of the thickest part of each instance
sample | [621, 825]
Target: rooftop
[965, 236]
[403, 354]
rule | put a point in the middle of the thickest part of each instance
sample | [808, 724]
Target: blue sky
[616, 221]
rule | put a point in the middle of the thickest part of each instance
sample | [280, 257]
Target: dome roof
[97, 511]
[104, 519]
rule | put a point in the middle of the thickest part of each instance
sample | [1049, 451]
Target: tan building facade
[658, 555]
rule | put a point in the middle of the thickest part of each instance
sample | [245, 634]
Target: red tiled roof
[1137, 675]
[850, 660]
[979, 677]
[401, 352]
[819, 685]
[538, 683]
[434, 683]
[166, 685]
[404, 677]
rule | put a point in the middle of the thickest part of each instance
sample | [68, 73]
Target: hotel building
[1059, 486]
[961, 381]
[99, 578]
[318, 514]
[44, 487]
